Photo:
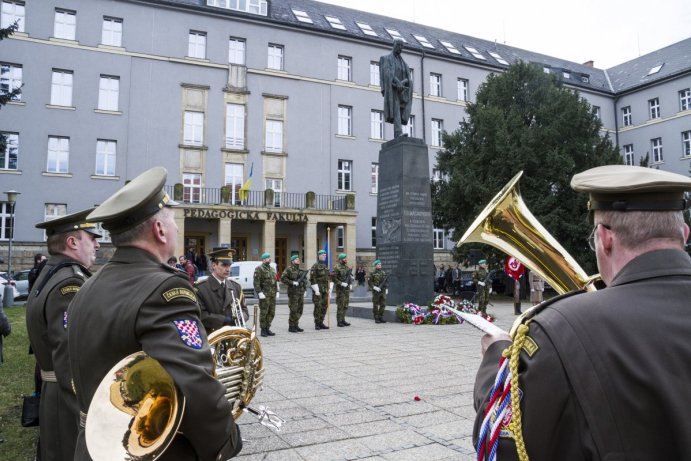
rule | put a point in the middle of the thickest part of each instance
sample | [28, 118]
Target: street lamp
[8, 296]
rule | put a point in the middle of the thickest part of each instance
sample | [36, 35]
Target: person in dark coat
[602, 375]
[137, 302]
[72, 245]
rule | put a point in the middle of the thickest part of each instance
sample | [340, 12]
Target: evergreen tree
[525, 120]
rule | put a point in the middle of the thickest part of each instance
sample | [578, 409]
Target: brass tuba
[507, 224]
[139, 399]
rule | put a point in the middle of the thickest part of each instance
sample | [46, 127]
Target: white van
[242, 272]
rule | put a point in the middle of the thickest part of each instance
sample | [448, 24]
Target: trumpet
[236, 310]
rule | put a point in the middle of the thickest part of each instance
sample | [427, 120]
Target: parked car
[21, 282]
[4, 280]
[242, 272]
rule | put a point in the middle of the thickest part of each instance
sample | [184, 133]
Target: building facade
[267, 114]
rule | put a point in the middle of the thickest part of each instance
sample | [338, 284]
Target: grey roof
[625, 76]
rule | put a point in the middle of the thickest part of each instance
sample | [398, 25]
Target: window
[340, 237]
[6, 221]
[10, 79]
[12, 11]
[437, 129]
[686, 143]
[302, 16]
[366, 29]
[58, 154]
[236, 51]
[274, 136]
[105, 157]
[248, 6]
[275, 185]
[344, 68]
[449, 46]
[498, 57]
[8, 158]
[598, 112]
[196, 46]
[235, 126]
[193, 133]
[65, 24]
[462, 89]
[61, 88]
[53, 211]
[436, 175]
[374, 232]
[435, 84]
[438, 239]
[475, 52]
[105, 235]
[566, 74]
[192, 188]
[111, 34]
[656, 147]
[335, 22]
[108, 92]
[345, 171]
[345, 122]
[628, 154]
[626, 117]
[410, 127]
[396, 35]
[275, 57]
[655, 69]
[377, 124]
[685, 99]
[234, 176]
[374, 179]
[654, 108]
[423, 41]
[374, 73]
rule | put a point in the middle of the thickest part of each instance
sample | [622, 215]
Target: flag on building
[245, 189]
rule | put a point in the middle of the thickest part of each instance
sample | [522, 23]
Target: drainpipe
[422, 95]
[616, 122]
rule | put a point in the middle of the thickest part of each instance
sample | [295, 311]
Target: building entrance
[281, 258]
[239, 244]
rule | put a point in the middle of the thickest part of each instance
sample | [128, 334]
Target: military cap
[342, 256]
[69, 223]
[222, 255]
[294, 257]
[376, 261]
[265, 255]
[632, 188]
[321, 252]
[134, 203]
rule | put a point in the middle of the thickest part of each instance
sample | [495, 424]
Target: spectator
[188, 268]
[39, 261]
[360, 276]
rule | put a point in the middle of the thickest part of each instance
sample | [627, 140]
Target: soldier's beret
[222, 255]
[342, 256]
[294, 257]
[321, 252]
[482, 261]
[376, 261]
[134, 203]
[632, 188]
[71, 222]
[265, 255]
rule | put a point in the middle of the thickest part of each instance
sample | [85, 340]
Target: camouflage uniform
[296, 294]
[342, 293]
[319, 275]
[480, 275]
[378, 297]
[265, 282]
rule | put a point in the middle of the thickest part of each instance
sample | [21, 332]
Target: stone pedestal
[404, 221]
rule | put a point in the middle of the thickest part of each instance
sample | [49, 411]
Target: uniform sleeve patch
[530, 346]
[189, 333]
[179, 293]
[69, 289]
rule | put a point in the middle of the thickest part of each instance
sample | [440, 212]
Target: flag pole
[328, 286]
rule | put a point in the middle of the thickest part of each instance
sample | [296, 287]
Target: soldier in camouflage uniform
[480, 279]
[319, 279]
[376, 279]
[294, 279]
[265, 285]
[343, 279]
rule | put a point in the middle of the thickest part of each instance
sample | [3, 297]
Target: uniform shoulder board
[80, 271]
[528, 315]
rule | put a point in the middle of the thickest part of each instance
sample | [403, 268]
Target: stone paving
[349, 393]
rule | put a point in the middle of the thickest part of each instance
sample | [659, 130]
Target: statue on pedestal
[394, 77]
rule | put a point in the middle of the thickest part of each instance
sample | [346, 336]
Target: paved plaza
[349, 393]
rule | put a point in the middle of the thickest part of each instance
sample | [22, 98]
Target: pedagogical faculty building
[267, 115]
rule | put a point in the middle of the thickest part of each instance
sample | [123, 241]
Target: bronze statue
[394, 77]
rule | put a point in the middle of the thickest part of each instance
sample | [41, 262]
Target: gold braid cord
[513, 353]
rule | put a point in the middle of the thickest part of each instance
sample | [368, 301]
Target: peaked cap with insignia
[222, 255]
[69, 223]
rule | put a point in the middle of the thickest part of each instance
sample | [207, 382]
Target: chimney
[590, 64]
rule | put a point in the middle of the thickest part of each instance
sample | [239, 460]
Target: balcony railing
[258, 199]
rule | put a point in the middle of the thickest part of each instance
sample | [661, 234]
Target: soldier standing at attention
[319, 278]
[72, 248]
[343, 278]
[480, 279]
[265, 285]
[137, 302]
[293, 278]
[216, 293]
[376, 279]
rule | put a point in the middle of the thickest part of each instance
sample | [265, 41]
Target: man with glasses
[603, 374]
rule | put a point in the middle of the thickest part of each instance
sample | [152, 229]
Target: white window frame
[628, 154]
[626, 116]
[437, 130]
[686, 144]
[340, 237]
[302, 16]
[6, 221]
[462, 89]
[366, 29]
[598, 112]
[335, 22]
[65, 24]
[395, 34]
[111, 32]
[654, 108]
[656, 149]
[58, 160]
[276, 185]
[235, 126]
[192, 187]
[374, 231]
[61, 88]
[435, 84]
[53, 211]
[345, 121]
[345, 68]
[236, 50]
[13, 11]
[376, 124]
[234, 178]
[106, 157]
[685, 99]
[438, 239]
[374, 75]
[108, 93]
[374, 178]
[193, 131]
[410, 127]
[345, 175]
[11, 79]
[196, 44]
[275, 56]
[10, 156]
[274, 136]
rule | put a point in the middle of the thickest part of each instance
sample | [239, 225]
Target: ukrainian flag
[245, 189]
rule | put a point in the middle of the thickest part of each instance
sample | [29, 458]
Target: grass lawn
[16, 379]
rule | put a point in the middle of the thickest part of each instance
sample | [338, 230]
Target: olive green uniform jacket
[136, 303]
[215, 302]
